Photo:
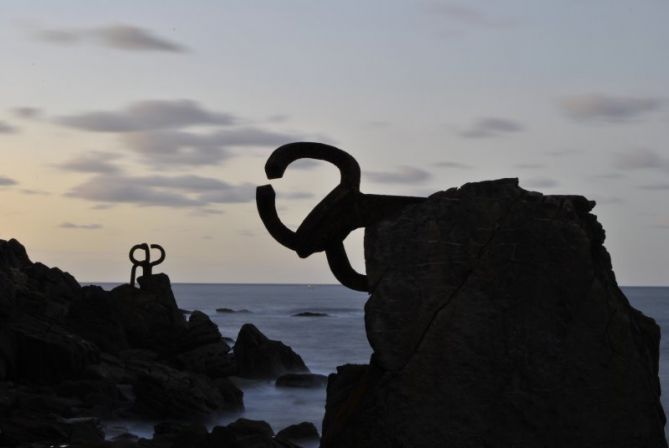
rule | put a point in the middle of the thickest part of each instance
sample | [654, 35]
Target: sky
[142, 121]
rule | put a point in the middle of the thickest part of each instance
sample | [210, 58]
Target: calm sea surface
[326, 342]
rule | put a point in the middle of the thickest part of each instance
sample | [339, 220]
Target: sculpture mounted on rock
[146, 264]
[494, 316]
[343, 210]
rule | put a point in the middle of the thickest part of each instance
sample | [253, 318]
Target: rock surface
[259, 357]
[300, 433]
[71, 356]
[496, 320]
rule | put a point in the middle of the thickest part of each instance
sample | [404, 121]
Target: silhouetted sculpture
[343, 210]
[494, 316]
[146, 264]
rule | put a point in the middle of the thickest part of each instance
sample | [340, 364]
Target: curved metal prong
[283, 156]
[162, 254]
[342, 269]
[134, 248]
[266, 203]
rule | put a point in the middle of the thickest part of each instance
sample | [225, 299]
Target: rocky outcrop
[70, 355]
[304, 432]
[259, 357]
[496, 320]
[162, 392]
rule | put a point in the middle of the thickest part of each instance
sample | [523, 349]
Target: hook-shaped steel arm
[343, 210]
[349, 170]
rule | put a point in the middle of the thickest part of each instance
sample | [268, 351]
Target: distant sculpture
[343, 210]
[146, 264]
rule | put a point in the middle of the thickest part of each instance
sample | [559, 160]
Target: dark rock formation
[213, 360]
[243, 433]
[149, 315]
[230, 310]
[310, 314]
[70, 355]
[46, 353]
[302, 380]
[496, 320]
[259, 357]
[175, 434]
[300, 433]
[199, 332]
[163, 392]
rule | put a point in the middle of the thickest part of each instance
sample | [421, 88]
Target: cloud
[26, 112]
[455, 165]
[121, 37]
[6, 181]
[540, 182]
[62, 37]
[35, 192]
[564, 152]
[6, 128]
[124, 190]
[660, 186]
[187, 182]
[278, 118]
[92, 162]
[608, 176]
[156, 131]
[162, 148]
[132, 38]
[640, 158]
[608, 108]
[162, 191]
[69, 225]
[464, 14]
[528, 166]
[403, 175]
[147, 115]
[233, 194]
[491, 127]
[295, 195]
[207, 212]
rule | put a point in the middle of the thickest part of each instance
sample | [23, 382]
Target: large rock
[304, 432]
[47, 353]
[33, 288]
[163, 392]
[213, 360]
[149, 314]
[243, 433]
[96, 316]
[259, 357]
[199, 332]
[69, 353]
[496, 320]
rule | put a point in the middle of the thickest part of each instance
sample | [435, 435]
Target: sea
[324, 342]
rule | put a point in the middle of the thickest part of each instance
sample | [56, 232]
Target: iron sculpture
[146, 264]
[343, 210]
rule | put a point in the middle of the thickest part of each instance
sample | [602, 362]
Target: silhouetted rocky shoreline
[72, 357]
[495, 319]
